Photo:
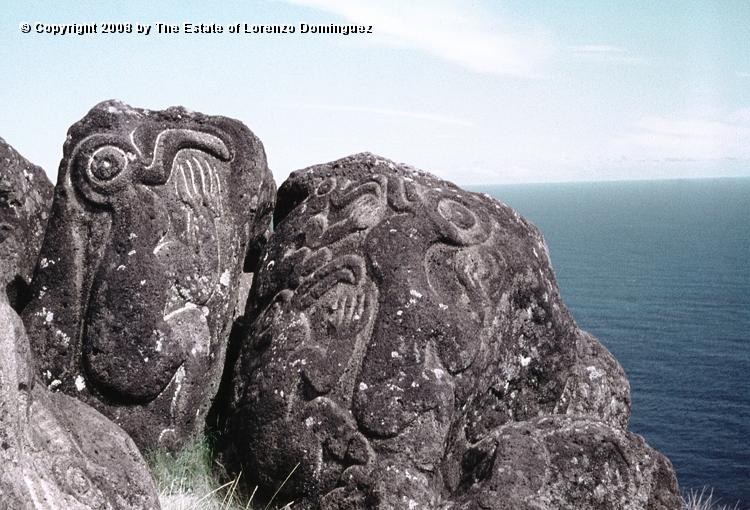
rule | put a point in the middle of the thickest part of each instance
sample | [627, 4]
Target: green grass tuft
[186, 481]
[191, 480]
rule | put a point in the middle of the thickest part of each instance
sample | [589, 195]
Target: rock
[403, 334]
[566, 462]
[56, 452]
[25, 201]
[154, 216]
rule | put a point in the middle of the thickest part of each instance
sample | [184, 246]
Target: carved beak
[170, 142]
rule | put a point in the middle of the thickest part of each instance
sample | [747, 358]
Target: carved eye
[456, 213]
[107, 162]
[325, 187]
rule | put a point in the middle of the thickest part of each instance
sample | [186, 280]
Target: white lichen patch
[80, 383]
[438, 373]
[226, 278]
[593, 373]
[54, 384]
[362, 386]
[310, 421]
[159, 339]
[49, 316]
[525, 361]
[64, 339]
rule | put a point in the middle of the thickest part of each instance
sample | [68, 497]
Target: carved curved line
[95, 190]
[184, 180]
[170, 141]
[346, 269]
[398, 195]
[453, 233]
[374, 186]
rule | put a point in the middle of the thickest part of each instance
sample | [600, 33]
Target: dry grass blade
[695, 500]
[281, 487]
[185, 480]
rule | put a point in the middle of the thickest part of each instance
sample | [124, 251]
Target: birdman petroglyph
[155, 215]
[408, 347]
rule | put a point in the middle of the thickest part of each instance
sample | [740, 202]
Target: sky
[476, 92]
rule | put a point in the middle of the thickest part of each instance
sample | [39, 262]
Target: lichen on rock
[155, 215]
[56, 452]
[408, 347]
[25, 201]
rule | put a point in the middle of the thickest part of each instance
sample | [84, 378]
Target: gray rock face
[154, 216]
[408, 347]
[56, 452]
[25, 201]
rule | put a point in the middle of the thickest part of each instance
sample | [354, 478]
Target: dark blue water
[659, 272]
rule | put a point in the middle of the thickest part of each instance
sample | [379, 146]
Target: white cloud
[384, 111]
[698, 139]
[604, 55]
[447, 31]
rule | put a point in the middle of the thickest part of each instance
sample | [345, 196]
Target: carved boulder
[407, 347]
[155, 215]
[56, 452]
[25, 201]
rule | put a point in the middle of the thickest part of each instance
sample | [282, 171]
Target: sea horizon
[659, 271]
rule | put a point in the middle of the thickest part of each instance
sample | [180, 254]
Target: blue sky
[477, 92]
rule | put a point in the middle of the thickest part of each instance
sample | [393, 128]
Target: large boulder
[56, 452]
[154, 217]
[407, 347]
[25, 201]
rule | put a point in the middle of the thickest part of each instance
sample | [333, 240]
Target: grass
[191, 480]
[186, 480]
[695, 500]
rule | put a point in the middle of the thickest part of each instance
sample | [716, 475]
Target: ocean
[659, 272]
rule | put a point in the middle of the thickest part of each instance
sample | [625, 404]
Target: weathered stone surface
[154, 216]
[55, 451]
[25, 201]
[406, 339]
[566, 462]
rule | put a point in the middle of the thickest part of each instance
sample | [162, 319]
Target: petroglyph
[397, 324]
[154, 217]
